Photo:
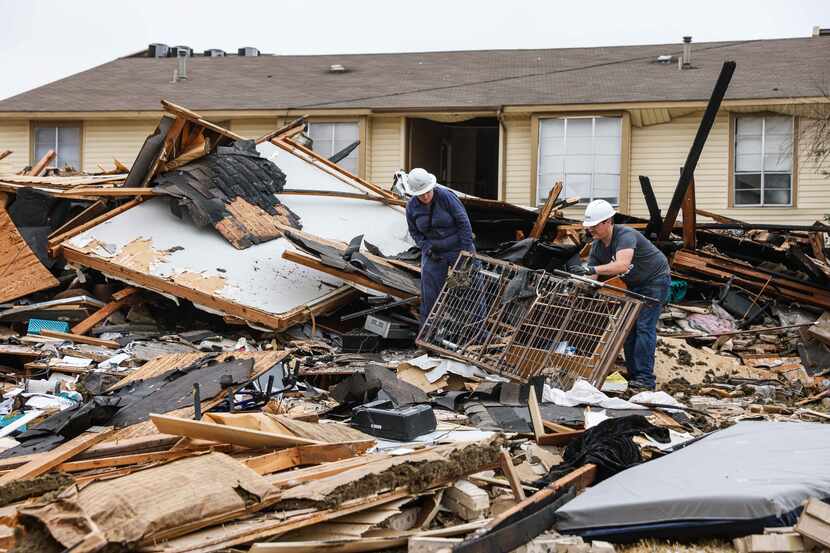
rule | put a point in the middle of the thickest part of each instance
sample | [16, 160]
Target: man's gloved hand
[583, 270]
[433, 255]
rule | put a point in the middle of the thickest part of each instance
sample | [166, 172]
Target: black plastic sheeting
[205, 187]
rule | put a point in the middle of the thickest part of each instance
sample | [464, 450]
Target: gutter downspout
[502, 154]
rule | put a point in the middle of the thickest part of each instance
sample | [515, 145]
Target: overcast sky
[42, 41]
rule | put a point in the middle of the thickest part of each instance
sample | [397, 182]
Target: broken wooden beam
[86, 325]
[79, 339]
[5, 154]
[706, 124]
[40, 167]
[654, 215]
[689, 219]
[545, 211]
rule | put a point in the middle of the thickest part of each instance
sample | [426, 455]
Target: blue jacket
[450, 230]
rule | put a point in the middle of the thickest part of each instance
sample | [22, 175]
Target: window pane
[346, 132]
[747, 197]
[553, 145]
[749, 125]
[745, 145]
[748, 163]
[546, 182]
[607, 145]
[776, 197]
[751, 181]
[579, 164]
[552, 164]
[607, 164]
[779, 125]
[608, 126]
[550, 128]
[44, 141]
[579, 145]
[580, 127]
[69, 147]
[777, 162]
[330, 138]
[606, 187]
[578, 185]
[772, 180]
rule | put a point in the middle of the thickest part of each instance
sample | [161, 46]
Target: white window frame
[357, 151]
[540, 198]
[35, 125]
[763, 172]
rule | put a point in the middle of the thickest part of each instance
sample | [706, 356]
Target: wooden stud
[306, 455]
[225, 434]
[77, 338]
[689, 221]
[544, 212]
[506, 464]
[86, 325]
[48, 461]
[40, 167]
[536, 420]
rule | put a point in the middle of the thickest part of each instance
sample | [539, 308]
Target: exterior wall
[14, 136]
[106, 139]
[517, 161]
[253, 128]
[385, 149]
[658, 152]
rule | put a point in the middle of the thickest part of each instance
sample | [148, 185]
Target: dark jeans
[433, 275]
[642, 340]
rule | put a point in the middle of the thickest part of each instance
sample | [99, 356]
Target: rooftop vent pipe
[686, 59]
[214, 53]
[336, 68]
[818, 31]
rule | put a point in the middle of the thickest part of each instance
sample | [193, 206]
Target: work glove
[583, 270]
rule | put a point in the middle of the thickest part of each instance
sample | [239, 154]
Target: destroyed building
[214, 344]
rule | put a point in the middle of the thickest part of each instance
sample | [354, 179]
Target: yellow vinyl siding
[253, 128]
[517, 166]
[658, 152]
[385, 149]
[14, 136]
[105, 140]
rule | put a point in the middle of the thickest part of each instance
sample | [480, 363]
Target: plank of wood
[79, 339]
[65, 451]
[689, 220]
[506, 464]
[5, 154]
[306, 455]
[86, 325]
[225, 434]
[336, 194]
[42, 163]
[21, 272]
[124, 293]
[559, 438]
[107, 191]
[357, 278]
[544, 213]
[536, 420]
[135, 459]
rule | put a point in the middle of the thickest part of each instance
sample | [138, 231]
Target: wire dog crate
[522, 323]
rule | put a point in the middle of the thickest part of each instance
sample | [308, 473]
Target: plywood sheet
[21, 273]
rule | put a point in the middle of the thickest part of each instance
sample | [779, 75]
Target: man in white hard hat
[440, 226]
[622, 251]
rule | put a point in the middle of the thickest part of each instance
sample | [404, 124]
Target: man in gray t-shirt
[622, 251]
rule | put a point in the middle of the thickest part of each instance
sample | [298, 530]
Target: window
[763, 160]
[583, 153]
[330, 138]
[64, 138]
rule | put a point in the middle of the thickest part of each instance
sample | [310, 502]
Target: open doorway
[464, 156]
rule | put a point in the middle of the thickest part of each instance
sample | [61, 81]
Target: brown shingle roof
[781, 68]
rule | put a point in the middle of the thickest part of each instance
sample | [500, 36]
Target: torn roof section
[232, 189]
[148, 246]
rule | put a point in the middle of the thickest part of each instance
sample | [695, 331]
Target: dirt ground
[653, 546]
[676, 359]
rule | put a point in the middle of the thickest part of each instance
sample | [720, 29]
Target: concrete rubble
[218, 349]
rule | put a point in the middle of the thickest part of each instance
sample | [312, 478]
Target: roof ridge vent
[818, 31]
[337, 68]
[248, 51]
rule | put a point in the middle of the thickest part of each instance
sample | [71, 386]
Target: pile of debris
[213, 350]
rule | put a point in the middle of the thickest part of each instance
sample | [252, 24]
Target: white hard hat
[597, 212]
[419, 181]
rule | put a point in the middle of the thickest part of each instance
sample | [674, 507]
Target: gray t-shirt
[649, 262]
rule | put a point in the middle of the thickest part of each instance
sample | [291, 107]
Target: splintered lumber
[364, 544]
[86, 325]
[78, 339]
[506, 464]
[225, 434]
[769, 543]
[5, 154]
[21, 273]
[306, 455]
[689, 217]
[298, 123]
[814, 522]
[751, 277]
[42, 164]
[535, 414]
[48, 461]
[544, 213]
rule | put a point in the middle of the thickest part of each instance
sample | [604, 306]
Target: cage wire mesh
[522, 323]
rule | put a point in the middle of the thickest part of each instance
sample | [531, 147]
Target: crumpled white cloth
[583, 393]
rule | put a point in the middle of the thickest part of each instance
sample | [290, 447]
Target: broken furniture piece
[521, 323]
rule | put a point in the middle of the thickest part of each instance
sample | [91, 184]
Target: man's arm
[422, 241]
[462, 223]
[619, 266]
